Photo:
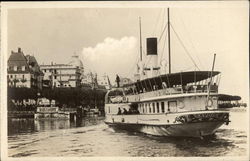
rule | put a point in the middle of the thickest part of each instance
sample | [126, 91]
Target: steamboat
[172, 104]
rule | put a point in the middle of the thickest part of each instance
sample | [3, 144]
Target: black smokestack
[152, 46]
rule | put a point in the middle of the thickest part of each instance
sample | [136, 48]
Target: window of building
[23, 68]
[149, 108]
[23, 76]
[153, 105]
[45, 70]
[162, 107]
[10, 76]
[55, 77]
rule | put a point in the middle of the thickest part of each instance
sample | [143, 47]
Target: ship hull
[188, 124]
[197, 129]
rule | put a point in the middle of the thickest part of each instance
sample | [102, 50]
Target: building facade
[23, 71]
[61, 75]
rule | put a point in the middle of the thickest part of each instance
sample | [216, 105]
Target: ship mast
[140, 40]
[169, 49]
[210, 82]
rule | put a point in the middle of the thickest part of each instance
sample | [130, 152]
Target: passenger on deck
[198, 88]
[119, 111]
[130, 111]
[125, 112]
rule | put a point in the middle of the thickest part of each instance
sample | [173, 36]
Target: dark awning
[225, 97]
[115, 92]
[181, 78]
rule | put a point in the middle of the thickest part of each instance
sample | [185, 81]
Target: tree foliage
[22, 93]
[71, 97]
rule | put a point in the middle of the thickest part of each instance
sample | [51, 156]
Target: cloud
[112, 56]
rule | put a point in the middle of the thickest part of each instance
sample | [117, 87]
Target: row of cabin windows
[155, 107]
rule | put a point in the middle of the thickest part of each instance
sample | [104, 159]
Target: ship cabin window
[153, 107]
[133, 109]
[149, 107]
[162, 107]
[172, 106]
[157, 107]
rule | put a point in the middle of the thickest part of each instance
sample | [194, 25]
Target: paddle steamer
[173, 104]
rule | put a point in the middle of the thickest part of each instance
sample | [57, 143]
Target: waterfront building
[76, 62]
[96, 81]
[104, 81]
[61, 75]
[23, 71]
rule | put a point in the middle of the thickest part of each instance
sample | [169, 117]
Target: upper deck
[175, 84]
[190, 90]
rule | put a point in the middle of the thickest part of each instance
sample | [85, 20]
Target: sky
[107, 39]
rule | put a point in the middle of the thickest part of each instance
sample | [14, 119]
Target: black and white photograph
[109, 80]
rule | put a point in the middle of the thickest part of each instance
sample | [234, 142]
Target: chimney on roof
[19, 50]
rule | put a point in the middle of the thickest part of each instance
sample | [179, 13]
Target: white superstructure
[173, 104]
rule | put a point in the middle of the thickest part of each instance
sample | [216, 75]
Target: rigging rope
[157, 21]
[164, 44]
[184, 46]
[195, 51]
[162, 33]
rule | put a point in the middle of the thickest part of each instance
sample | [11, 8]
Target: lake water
[91, 137]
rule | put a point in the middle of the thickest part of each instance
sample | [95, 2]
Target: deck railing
[162, 92]
[172, 91]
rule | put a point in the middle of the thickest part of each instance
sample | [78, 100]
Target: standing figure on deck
[117, 80]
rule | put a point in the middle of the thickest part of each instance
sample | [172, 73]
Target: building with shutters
[23, 71]
[63, 75]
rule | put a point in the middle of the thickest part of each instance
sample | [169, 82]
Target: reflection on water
[91, 137]
[26, 126]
